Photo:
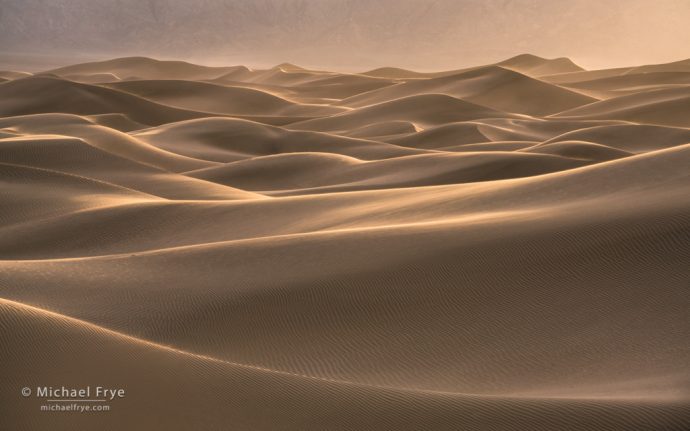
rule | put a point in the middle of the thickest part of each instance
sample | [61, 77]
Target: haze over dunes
[352, 35]
[498, 247]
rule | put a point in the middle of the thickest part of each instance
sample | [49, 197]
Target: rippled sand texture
[505, 247]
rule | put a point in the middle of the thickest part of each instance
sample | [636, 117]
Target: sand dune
[490, 146]
[104, 138]
[634, 138]
[225, 140]
[482, 249]
[493, 86]
[635, 82]
[667, 106]
[9, 75]
[312, 91]
[336, 79]
[95, 78]
[205, 97]
[442, 136]
[345, 405]
[76, 156]
[537, 66]
[588, 75]
[116, 121]
[394, 73]
[424, 110]
[33, 193]
[431, 287]
[144, 68]
[528, 64]
[74, 98]
[580, 150]
[676, 66]
[493, 129]
[303, 173]
[287, 76]
[383, 129]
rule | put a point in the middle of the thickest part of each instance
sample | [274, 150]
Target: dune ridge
[495, 248]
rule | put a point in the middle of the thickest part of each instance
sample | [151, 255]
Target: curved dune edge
[69, 324]
[224, 140]
[345, 404]
[326, 174]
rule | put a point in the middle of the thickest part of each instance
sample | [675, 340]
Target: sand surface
[505, 247]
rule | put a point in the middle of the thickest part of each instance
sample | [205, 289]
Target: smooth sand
[496, 248]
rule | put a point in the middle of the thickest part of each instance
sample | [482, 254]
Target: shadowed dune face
[496, 248]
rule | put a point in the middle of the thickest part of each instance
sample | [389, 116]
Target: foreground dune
[497, 248]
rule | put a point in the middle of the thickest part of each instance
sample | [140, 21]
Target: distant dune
[666, 106]
[220, 99]
[492, 86]
[423, 110]
[502, 247]
[59, 95]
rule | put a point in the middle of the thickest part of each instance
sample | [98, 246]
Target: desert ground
[503, 247]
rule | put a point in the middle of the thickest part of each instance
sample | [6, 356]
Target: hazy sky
[351, 34]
